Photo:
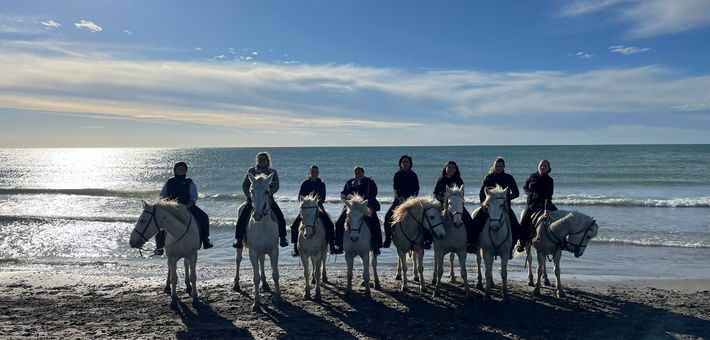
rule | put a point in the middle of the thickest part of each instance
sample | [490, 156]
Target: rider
[498, 176]
[451, 176]
[313, 185]
[539, 188]
[184, 190]
[366, 187]
[263, 166]
[406, 184]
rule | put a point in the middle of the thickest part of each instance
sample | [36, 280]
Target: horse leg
[306, 273]
[452, 275]
[479, 276]
[399, 267]
[193, 279]
[488, 259]
[528, 259]
[545, 279]
[188, 286]
[420, 269]
[504, 274]
[374, 272]
[366, 272]
[402, 265]
[435, 275]
[540, 269]
[254, 258]
[274, 257]
[415, 265]
[349, 286]
[167, 289]
[264, 284]
[172, 264]
[324, 278]
[236, 287]
[464, 274]
[558, 284]
[438, 271]
[316, 264]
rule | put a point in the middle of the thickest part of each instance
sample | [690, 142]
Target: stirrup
[237, 244]
[159, 252]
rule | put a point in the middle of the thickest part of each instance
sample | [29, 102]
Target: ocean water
[74, 209]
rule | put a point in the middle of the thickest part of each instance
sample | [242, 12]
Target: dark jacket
[444, 182]
[504, 180]
[406, 184]
[318, 188]
[543, 185]
[366, 188]
[178, 187]
[273, 186]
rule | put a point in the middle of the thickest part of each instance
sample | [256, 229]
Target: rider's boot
[207, 244]
[237, 244]
[294, 252]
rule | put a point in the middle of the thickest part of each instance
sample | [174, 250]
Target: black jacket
[444, 182]
[542, 185]
[406, 184]
[504, 180]
[178, 187]
[366, 188]
[318, 187]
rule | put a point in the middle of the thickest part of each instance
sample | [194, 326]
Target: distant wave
[633, 202]
[673, 244]
[44, 219]
[83, 192]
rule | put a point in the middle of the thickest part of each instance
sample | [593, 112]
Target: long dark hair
[403, 157]
[498, 160]
[456, 174]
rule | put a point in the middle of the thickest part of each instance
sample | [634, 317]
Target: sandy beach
[61, 305]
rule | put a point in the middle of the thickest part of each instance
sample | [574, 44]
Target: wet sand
[60, 305]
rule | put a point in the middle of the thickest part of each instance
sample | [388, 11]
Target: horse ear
[300, 198]
[268, 178]
[506, 191]
[488, 192]
[251, 178]
[348, 204]
[144, 204]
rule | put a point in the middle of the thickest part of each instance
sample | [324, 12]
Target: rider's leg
[242, 222]
[204, 222]
[282, 222]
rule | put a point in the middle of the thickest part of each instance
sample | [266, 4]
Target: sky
[353, 73]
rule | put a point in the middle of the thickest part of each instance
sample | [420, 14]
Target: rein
[153, 218]
[500, 219]
[564, 244]
[452, 214]
[421, 225]
[315, 222]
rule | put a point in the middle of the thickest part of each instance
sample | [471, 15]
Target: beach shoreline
[42, 304]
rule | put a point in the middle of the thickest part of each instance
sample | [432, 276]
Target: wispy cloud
[628, 50]
[128, 32]
[198, 48]
[51, 23]
[647, 18]
[255, 53]
[89, 26]
[231, 50]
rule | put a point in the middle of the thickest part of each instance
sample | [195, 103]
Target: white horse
[312, 243]
[356, 242]
[454, 241]
[561, 230]
[262, 238]
[408, 223]
[183, 240]
[495, 239]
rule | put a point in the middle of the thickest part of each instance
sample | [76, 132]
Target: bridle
[425, 217]
[453, 214]
[564, 243]
[154, 219]
[315, 220]
[500, 220]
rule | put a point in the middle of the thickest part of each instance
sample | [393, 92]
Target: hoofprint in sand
[62, 305]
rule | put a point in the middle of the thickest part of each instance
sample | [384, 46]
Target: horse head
[432, 214]
[309, 214]
[260, 195]
[577, 241]
[146, 227]
[497, 204]
[454, 204]
[356, 211]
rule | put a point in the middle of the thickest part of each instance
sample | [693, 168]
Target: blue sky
[332, 73]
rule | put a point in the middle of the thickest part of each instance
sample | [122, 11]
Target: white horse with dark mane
[408, 223]
[553, 233]
[356, 242]
[312, 243]
[495, 239]
[262, 238]
[183, 241]
[454, 240]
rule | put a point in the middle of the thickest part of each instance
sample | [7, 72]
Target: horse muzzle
[258, 217]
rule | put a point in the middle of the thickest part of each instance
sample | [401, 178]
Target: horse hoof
[266, 288]
[173, 304]
[313, 281]
[416, 279]
[436, 293]
[561, 295]
[547, 283]
[237, 289]
[377, 286]
[167, 290]
[346, 297]
[398, 277]
[479, 286]
[306, 296]
[531, 284]
[255, 308]
[317, 298]
[536, 292]
[324, 280]
[188, 290]
[470, 296]
[195, 303]
[493, 285]
[453, 280]
[433, 281]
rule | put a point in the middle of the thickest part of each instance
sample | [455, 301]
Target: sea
[73, 210]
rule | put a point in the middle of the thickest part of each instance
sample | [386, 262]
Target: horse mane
[412, 203]
[498, 190]
[313, 199]
[572, 218]
[454, 190]
[359, 203]
[175, 209]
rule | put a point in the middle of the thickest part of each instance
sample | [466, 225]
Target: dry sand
[56, 305]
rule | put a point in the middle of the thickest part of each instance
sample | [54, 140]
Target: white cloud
[128, 32]
[649, 17]
[198, 48]
[586, 56]
[220, 57]
[628, 50]
[249, 58]
[691, 107]
[51, 23]
[89, 25]
[231, 50]
[255, 53]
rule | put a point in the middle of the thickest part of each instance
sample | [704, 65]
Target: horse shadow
[207, 323]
